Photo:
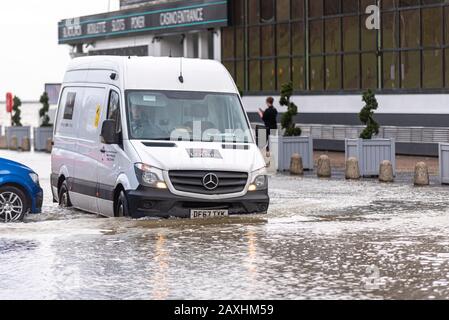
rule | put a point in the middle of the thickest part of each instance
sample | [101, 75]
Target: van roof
[152, 73]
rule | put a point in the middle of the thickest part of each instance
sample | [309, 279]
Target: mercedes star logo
[211, 181]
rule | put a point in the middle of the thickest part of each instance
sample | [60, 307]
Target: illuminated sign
[168, 17]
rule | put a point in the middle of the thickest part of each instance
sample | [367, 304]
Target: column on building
[189, 45]
[203, 45]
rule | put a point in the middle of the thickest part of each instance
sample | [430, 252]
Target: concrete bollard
[386, 173]
[324, 169]
[352, 169]
[3, 142]
[421, 174]
[13, 144]
[49, 145]
[296, 165]
[26, 145]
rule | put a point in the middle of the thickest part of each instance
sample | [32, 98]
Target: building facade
[189, 28]
[325, 47]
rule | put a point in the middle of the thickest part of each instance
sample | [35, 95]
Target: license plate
[202, 214]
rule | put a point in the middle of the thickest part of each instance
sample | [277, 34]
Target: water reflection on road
[321, 239]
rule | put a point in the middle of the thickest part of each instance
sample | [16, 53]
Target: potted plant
[369, 150]
[16, 129]
[290, 141]
[45, 131]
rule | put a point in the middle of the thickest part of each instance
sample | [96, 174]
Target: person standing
[269, 117]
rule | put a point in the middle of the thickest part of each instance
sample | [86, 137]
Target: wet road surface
[322, 239]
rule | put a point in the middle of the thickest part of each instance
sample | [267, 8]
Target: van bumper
[149, 202]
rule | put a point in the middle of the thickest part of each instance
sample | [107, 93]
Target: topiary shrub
[15, 119]
[287, 121]
[43, 112]
[366, 115]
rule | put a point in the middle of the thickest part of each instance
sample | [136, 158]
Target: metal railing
[400, 134]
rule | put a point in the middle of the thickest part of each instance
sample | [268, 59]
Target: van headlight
[149, 176]
[259, 180]
[34, 177]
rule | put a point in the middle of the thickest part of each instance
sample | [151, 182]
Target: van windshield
[186, 116]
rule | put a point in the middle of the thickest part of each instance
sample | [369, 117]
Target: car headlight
[259, 181]
[149, 176]
[34, 177]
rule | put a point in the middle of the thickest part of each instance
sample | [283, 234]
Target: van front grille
[193, 182]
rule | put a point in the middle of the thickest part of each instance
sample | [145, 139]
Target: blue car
[20, 192]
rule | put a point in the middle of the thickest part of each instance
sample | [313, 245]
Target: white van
[156, 137]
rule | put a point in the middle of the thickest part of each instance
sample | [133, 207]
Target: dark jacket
[270, 118]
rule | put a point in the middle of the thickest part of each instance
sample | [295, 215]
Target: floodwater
[322, 239]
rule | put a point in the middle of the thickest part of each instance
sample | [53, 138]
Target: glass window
[369, 71]
[351, 71]
[298, 73]
[297, 9]
[240, 43]
[432, 69]
[316, 73]
[266, 11]
[283, 71]
[254, 75]
[333, 80]
[240, 77]
[315, 8]
[268, 75]
[410, 69]
[408, 3]
[350, 6]
[283, 10]
[270, 45]
[283, 39]
[114, 110]
[351, 33]
[254, 42]
[197, 116]
[446, 25]
[298, 38]
[446, 71]
[332, 7]
[432, 27]
[239, 12]
[267, 36]
[369, 37]
[316, 37]
[69, 106]
[389, 4]
[389, 30]
[332, 35]
[390, 70]
[228, 43]
[253, 12]
[410, 29]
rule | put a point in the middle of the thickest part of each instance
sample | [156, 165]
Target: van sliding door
[88, 158]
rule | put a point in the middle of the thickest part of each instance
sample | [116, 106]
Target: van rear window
[69, 106]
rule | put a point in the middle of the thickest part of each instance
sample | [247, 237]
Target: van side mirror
[108, 133]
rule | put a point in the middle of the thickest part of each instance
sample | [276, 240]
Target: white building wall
[388, 104]
[203, 45]
[114, 43]
[189, 43]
